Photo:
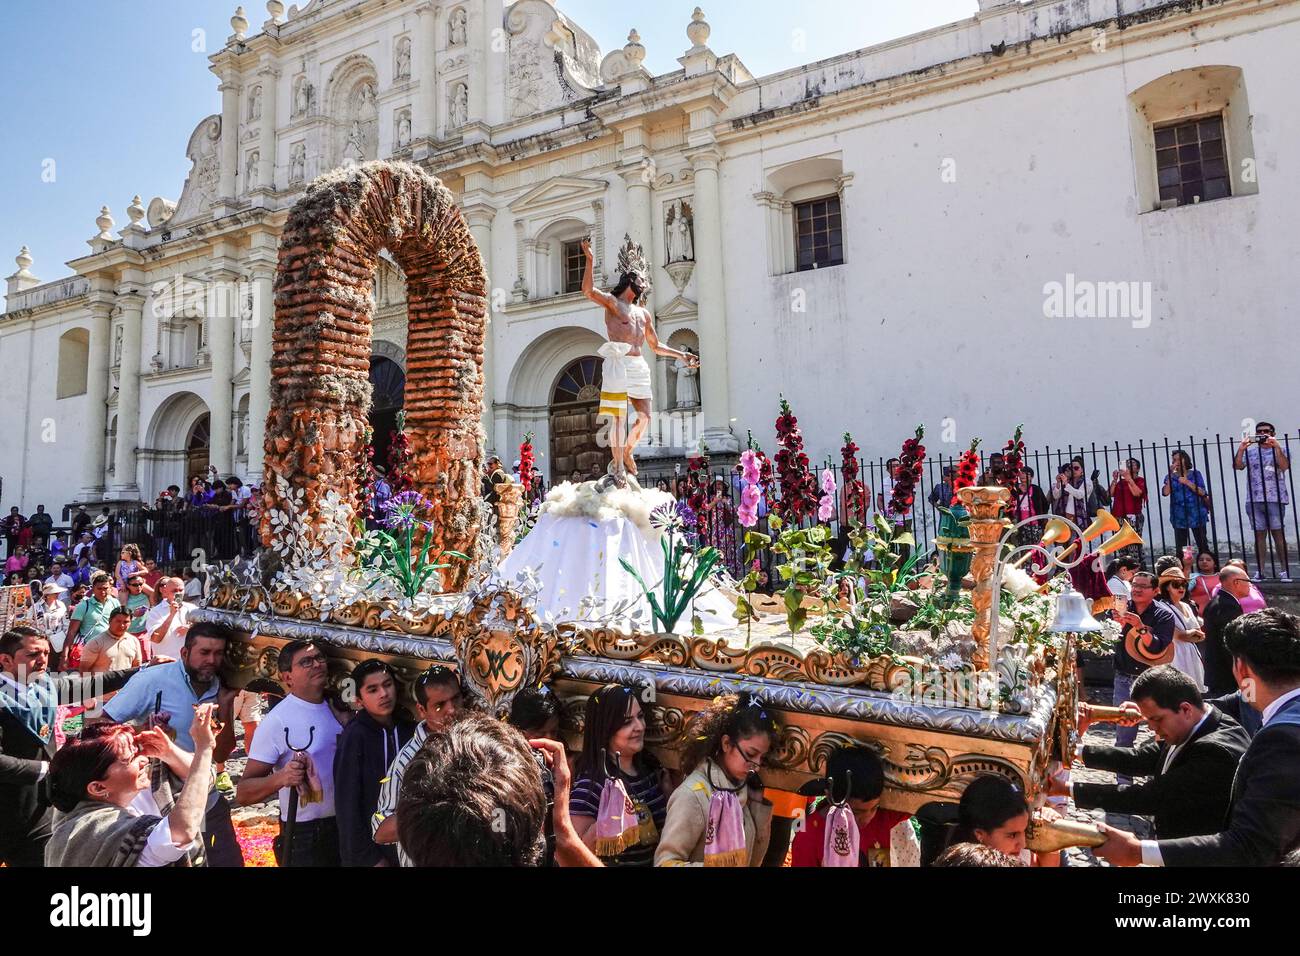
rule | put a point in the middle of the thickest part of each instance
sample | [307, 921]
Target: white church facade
[1046, 213]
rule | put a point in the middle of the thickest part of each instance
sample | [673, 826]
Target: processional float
[1008, 710]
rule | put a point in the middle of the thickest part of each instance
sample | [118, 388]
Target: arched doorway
[197, 447]
[574, 403]
[388, 396]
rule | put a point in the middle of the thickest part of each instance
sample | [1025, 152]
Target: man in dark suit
[1263, 825]
[1235, 706]
[1191, 764]
[1223, 609]
[29, 700]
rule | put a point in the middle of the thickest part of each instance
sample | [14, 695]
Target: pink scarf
[617, 826]
[724, 839]
[842, 838]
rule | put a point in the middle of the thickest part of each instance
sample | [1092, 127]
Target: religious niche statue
[458, 27]
[354, 150]
[301, 96]
[688, 385]
[458, 107]
[679, 232]
[631, 330]
[255, 104]
[402, 68]
[361, 130]
[366, 100]
[298, 162]
[403, 128]
[117, 346]
[250, 169]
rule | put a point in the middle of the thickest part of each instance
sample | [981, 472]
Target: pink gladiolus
[826, 507]
[749, 466]
[747, 513]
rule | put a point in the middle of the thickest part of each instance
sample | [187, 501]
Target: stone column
[479, 37]
[221, 344]
[715, 395]
[125, 484]
[269, 77]
[230, 89]
[424, 71]
[92, 455]
[480, 218]
[638, 179]
[259, 366]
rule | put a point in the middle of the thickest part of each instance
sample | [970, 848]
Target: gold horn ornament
[1125, 537]
[1055, 532]
[1049, 836]
[1104, 523]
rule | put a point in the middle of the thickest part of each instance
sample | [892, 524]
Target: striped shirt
[645, 792]
[390, 788]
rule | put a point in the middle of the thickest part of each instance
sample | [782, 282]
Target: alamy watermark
[1084, 299]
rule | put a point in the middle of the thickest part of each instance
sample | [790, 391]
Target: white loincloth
[623, 376]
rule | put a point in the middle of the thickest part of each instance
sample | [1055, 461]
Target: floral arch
[320, 367]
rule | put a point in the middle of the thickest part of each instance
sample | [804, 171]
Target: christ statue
[626, 376]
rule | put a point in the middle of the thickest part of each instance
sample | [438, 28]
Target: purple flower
[402, 512]
[666, 518]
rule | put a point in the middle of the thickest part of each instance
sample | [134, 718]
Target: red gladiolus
[855, 492]
[909, 473]
[697, 469]
[526, 460]
[1013, 459]
[968, 469]
[399, 458]
[799, 492]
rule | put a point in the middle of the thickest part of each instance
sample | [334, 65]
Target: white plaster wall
[938, 311]
[36, 471]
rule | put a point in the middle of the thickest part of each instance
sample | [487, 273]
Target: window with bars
[574, 265]
[1191, 161]
[818, 234]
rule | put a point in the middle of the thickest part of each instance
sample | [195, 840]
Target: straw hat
[1173, 574]
[52, 588]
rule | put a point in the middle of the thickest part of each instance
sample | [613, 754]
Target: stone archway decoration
[320, 366]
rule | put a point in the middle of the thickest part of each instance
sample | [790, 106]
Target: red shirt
[1127, 503]
[873, 839]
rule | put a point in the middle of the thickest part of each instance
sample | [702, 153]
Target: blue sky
[109, 90]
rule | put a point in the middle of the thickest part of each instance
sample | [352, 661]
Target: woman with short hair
[113, 810]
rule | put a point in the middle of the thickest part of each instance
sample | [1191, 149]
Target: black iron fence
[1256, 495]
[179, 539]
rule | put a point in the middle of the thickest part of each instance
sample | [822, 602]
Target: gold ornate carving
[986, 527]
[501, 650]
[510, 498]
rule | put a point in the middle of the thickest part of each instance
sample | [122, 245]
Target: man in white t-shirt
[294, 747]
[168, 620]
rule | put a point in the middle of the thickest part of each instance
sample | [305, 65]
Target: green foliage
[392, 557]
[685, 574]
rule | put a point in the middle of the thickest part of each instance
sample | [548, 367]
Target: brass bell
[1071, 615]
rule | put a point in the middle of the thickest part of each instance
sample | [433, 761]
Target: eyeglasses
[312, 660]
[750, 761]
[1178, 587]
